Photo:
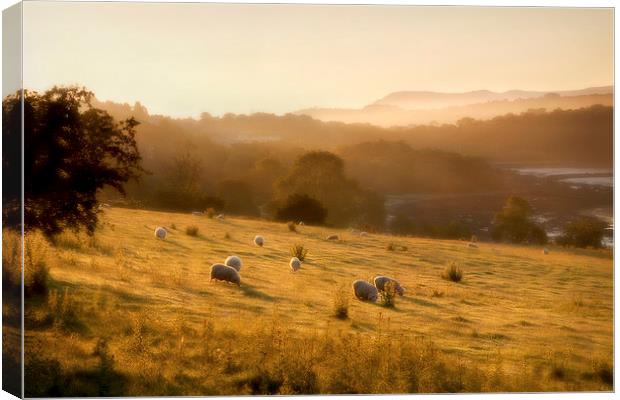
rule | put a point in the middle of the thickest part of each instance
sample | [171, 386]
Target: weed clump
[292, 226]
[388, 295]
[191, 230]
[210, 212]
[341, 303]
[453, 273]
[299, 251]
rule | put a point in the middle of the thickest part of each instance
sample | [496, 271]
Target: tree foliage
[585, 231]
[71, 151]
[301, 207]
[514, 223]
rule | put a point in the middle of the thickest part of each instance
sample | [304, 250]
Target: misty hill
[401, 109]
[425, 100]
[581, 137]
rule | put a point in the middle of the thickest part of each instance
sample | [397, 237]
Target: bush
[388, 295]
[299, 251]
[210, 212]
[453, 273]
[192, 230]
[301, 207]
[341, 303]
[514, 223]
[292, 226]
[36, 270]
[583, 232]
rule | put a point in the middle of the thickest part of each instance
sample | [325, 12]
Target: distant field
[519, 321]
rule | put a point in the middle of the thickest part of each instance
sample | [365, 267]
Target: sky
[181, 59]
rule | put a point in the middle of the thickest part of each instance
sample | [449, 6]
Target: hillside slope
[521, 319]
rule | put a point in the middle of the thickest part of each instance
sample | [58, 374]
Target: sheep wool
[234, 261]
[380, 282]
[160, 232]
[221, 272]
[365, 291]
[295, 264]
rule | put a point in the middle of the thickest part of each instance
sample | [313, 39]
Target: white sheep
[363, 233]
[365, 291]
[545, 251]
[221, 272]
[295, 264]
[197, 213]
[472, 245]
[220, 217]
[234, 261]
[161, 232]
[259, 240]
[301, 223]
[381, 280]
[332, 237]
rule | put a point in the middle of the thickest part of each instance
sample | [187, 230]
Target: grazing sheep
[363, 233]
[301, 223]
[220, 217]
[380, 282]
[545, 251]
[259, 241]
[235, 262]
[295, 264]
[221, 272]
[365, 291]
[197, 213]
[161, 232]
[472, 245]
[332, 237]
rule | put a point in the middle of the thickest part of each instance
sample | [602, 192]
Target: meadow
[128, 314]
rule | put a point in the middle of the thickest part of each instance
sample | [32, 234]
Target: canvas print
[277, 199]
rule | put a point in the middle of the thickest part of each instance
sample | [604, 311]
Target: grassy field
[130, 314]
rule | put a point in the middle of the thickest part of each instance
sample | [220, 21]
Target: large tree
[514, 223]
[71, 150]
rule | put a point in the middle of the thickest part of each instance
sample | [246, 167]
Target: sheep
[221, 272]
[472, 245]
[198, 213]
[545, 251]
[380, 282]
[365, 291]
[332, 237]
[301, 223]
[220, 217]
[161, 232]
[363, 233]
[295, 264]
[235, 262]
[259, 241]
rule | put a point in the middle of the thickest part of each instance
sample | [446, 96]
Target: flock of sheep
[229, 272]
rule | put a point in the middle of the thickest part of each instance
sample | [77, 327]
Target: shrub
[173, 226]
[453, 273]
[390, 247]
[36, 270]
[299, 251]
[514, 223]
[210, 212]
[388, 295]
[191, 230]
[341, 303]
[301, 207]
[227, 236]
[583, 232]
[292, 226]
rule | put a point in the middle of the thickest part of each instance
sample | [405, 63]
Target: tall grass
[341, 302]
[299, 251]
[453, 273]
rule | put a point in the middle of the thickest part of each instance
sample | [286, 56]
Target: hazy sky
[182, 59]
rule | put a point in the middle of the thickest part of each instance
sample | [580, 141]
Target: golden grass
[134, 315]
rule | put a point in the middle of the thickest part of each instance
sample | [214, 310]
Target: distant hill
[416, 108]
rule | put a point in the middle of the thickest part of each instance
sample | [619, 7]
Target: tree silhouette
[514, 223]
[71, 151]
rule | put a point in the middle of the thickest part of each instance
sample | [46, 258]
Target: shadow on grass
[252, 292]
[419, 302]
